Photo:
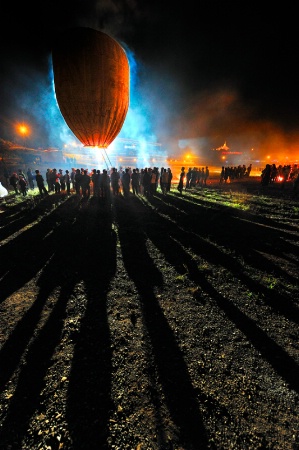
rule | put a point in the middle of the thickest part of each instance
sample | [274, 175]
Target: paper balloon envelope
[92, 83]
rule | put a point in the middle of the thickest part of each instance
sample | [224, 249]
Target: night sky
[202, 72]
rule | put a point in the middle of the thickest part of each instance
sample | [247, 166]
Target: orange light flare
[23, 129]
[189, 158]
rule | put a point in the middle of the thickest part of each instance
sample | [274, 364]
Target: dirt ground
[168, 322]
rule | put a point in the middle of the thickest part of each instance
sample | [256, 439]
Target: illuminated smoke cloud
[162, 108]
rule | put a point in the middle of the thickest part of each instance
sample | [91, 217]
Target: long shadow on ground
[81, 242]
[173, 373]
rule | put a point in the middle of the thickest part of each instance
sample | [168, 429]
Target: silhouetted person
[40, 183]
[62, 180]
[14, 181]
[266, 175]
[30, 178]
[126, 179]
[146, 182]
[181, 180]
[135, 182]
[164, 181]
[115, 177]
[21, 174]
[77, 180]
[23, 185]
[206, 175]
[67, 179]
[188, 178]
[85, 184]
[105, 184]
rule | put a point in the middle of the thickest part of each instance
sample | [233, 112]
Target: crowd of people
[231, 173]
[281, 173]
[21, 183]
[103, 183]
[194, 177]
[270, 174]
[99, 183]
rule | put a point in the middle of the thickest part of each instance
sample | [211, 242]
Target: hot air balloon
[91, 79]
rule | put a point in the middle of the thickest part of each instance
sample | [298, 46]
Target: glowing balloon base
[91, 78]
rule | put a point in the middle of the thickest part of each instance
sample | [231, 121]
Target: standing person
[94, 180]
[141, 172]
[135, 182]
[160, 178]
[105, 183]
[62, 179]
[181, 180]
[286, 170]
[85, 184]
[23, 185]
[206, 176]
[21, 174]
[78, 181]
[49, 179]
[146, 182]
[115, 177]
[40, 183]
[73, 173]
[154, 179]
[98, 184]
[67, 179]
[14, 181]
[188, 178]
[126, 180]
[169, 179]
[248, 170]
[30, 178]
[57, 185]
[164, 181]
[266, 175]
[201, 176]
[52, 179]
[274, 173]
[138, 171]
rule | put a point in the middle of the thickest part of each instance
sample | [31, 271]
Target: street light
[23, 130]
